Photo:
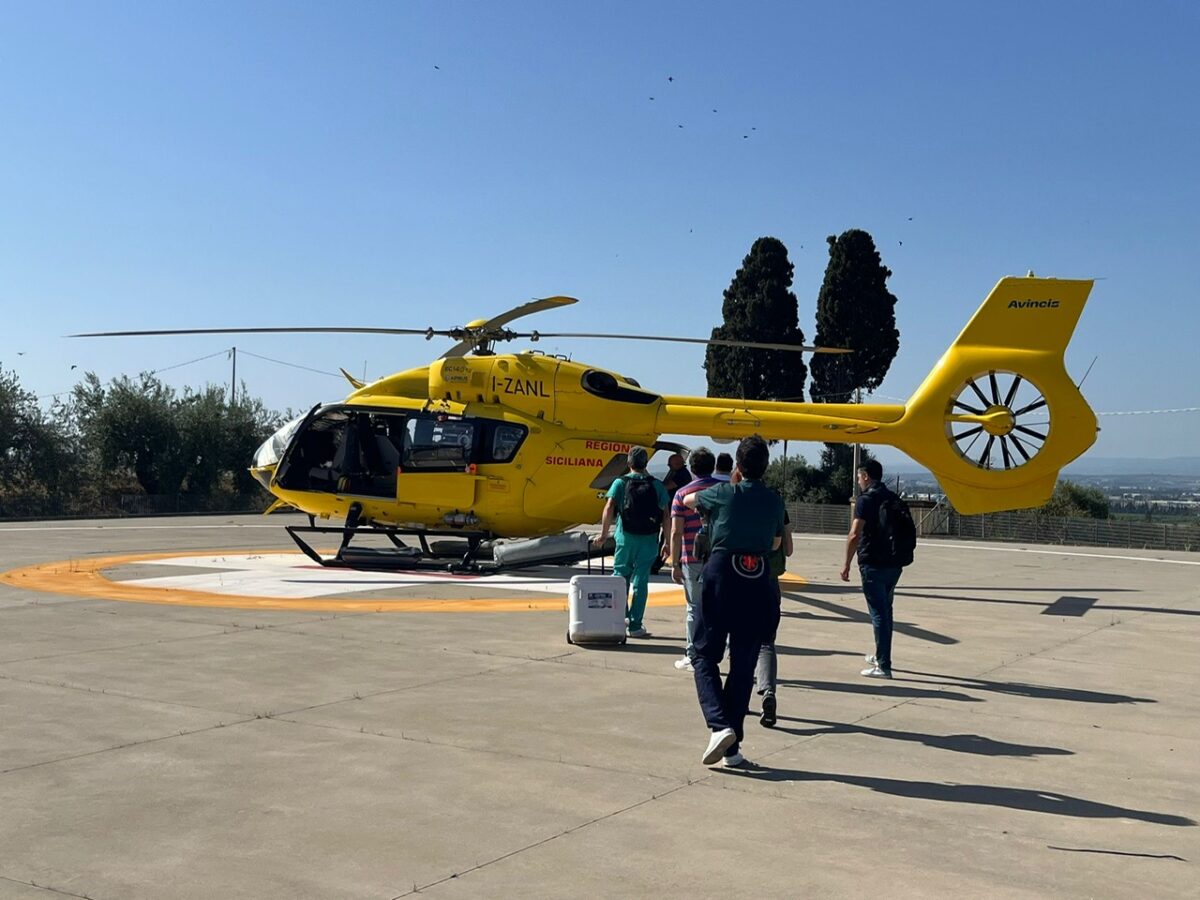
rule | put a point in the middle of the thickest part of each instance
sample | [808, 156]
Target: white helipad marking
[295, 576]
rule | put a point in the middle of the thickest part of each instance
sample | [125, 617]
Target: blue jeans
[691, 591]
[879, 586]
[766, 673]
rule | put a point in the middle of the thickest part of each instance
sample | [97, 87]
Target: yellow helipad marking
[85, 578]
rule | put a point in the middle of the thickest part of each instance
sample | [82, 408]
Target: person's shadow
[957, 743]
[1050, 802]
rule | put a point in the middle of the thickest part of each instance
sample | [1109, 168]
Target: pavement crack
[546, 840]
[25, 882]
[126, 745]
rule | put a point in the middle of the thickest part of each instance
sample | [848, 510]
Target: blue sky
[415, 164]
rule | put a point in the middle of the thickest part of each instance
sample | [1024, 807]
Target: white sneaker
[735, 761]
[637, 632]
[875, 672]
[870, 658]
[684, 665]
[717, 745]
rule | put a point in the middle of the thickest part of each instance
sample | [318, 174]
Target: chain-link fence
[1025, 526]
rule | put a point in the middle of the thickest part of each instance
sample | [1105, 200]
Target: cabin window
[505, 441]
[438, 443]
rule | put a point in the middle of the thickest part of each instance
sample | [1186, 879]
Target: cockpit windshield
[271, 451]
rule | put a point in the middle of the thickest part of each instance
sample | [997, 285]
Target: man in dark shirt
[879, 575]
[677, 473]
[739, 602]
[677, 476]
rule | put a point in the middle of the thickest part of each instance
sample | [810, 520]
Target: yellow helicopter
[482, 446]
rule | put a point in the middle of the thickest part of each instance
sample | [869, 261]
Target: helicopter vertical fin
[998, 416]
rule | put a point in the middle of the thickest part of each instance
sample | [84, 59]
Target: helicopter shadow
[921, 594]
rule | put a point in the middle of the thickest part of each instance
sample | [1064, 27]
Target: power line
[188, 363]
[152, 372]
[280, 362]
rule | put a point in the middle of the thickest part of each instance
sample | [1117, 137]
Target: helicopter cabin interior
[351, 450]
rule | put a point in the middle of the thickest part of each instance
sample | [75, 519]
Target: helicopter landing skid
[400, 555]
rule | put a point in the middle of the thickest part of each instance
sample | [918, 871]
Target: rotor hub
[998, 420]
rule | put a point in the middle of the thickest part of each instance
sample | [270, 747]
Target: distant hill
[1134, 465]
[1185, 466]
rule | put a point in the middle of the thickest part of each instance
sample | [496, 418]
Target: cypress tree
[759, 306]
[855, 310]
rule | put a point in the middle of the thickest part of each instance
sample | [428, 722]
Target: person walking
[738, 600]
[686, 566]
[878, 570]
[635, 504]
[766, 673]
[677, 476]
[724, 467]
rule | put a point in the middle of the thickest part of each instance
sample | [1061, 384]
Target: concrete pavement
[1041, 738]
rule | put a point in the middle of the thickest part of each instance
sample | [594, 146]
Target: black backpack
[896, 534]
[640, 512]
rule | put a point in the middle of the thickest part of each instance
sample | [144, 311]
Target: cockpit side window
[506, 439]
[438, 443]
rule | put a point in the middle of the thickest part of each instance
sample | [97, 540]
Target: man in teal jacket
[635, 503]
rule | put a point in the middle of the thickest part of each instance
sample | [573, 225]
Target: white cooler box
[596, 607]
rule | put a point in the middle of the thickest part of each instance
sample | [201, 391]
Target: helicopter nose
[271, 451]
[263, 475]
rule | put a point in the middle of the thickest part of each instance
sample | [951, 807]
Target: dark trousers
[879, 586]
[738, 604]
[766, 673]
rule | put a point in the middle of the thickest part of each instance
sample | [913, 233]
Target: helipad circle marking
[85, 578]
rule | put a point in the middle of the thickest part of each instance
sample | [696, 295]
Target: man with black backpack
[635, 503]
[884, 536]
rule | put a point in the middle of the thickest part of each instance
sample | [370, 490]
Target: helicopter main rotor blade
[494, 325]
[318, 329]
[720, 342]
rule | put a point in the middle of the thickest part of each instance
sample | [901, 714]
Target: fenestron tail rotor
[998, 420]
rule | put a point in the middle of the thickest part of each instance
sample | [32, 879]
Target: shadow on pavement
[958, 743]
[1020, 689]
[840, 613]
[878, 688]
[1049, 802]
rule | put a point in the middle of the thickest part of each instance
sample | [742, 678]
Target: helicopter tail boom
[995, 420]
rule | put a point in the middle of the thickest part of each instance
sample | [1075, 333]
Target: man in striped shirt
[685, 567]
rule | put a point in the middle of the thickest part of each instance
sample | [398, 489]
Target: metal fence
[1024, 526]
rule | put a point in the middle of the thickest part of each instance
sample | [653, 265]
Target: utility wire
[188, 363]
[280, 362]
